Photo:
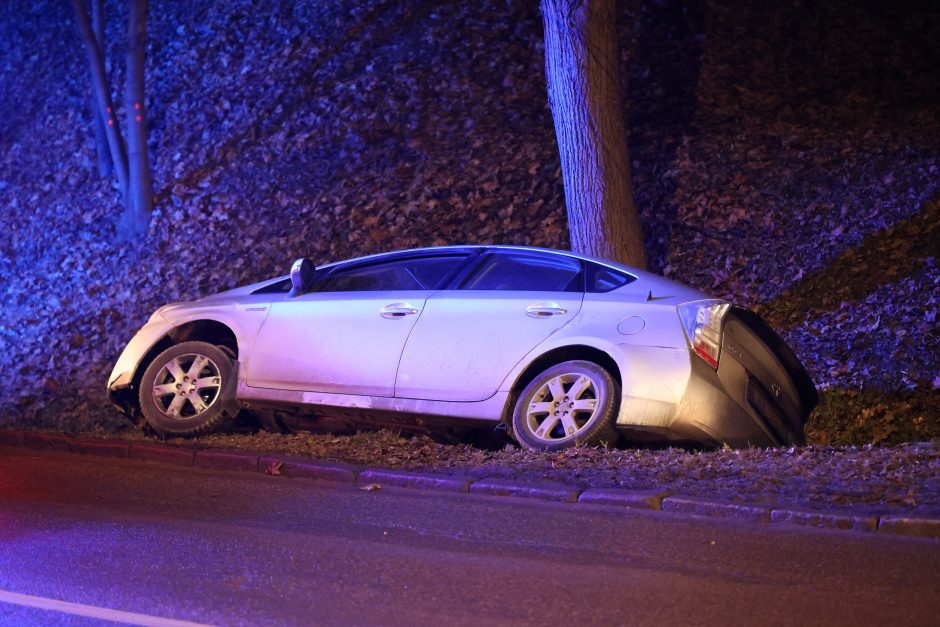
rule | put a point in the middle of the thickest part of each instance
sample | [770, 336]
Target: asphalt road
[229, 549]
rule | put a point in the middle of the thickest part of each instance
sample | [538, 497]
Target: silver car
[560, 348]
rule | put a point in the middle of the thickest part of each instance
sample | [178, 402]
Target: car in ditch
[561, 348]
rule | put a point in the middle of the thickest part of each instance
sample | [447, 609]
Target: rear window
[602, 279]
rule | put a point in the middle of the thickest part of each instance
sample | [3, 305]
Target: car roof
[647, 279]
[480, 247]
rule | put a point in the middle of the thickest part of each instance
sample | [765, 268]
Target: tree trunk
[581, 68]
[102, 94]
[98, 121]
[139, 199]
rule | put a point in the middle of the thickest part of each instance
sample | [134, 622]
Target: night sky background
[784, 155]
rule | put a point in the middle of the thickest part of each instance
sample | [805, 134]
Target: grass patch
[857, 417]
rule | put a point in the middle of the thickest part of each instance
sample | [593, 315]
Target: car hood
[234, 294]
[228, 297]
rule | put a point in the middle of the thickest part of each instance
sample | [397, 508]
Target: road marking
[118, 616]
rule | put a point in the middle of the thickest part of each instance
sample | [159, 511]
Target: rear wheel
[574, 402]
[181, 392]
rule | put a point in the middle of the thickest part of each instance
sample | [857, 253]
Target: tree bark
[98, 120]
[102, 94]
[581, 68]
[139, 198]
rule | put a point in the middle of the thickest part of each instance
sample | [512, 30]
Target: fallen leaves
[274, 469]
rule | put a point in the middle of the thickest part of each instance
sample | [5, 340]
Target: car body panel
[146, 338]
[241, 312]
[336, 342]
[467, 341]
[653, 362]
[366, 406]
[656, 375]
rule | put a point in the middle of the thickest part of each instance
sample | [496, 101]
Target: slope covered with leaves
[786, 157]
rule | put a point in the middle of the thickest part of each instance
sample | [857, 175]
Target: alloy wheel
[562, 407]
[187, 386]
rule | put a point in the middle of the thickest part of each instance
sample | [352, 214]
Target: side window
[602, 279]
[416, 273]
[520, 272]
[435, 272]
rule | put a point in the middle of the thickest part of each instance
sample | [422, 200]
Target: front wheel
[574, 402]
[181, 392]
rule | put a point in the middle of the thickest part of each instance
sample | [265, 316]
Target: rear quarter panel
[653, 358]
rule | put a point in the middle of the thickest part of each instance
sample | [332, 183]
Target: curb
[623, 498]
[336, 472]
[496, 486]
[717, 509]
[11, 438]
[162, 454]
[825, 520]
[101, 448]
[374, 478]
[45, 441]
[226, 460]
[923, 527]
[417, 481]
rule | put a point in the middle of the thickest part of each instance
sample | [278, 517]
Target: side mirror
[301, 277]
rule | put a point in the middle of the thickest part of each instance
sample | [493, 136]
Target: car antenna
[650, 297]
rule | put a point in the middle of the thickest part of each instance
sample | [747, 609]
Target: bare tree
[139, 197]
[101, 138]
[131, 163]
[581, 68]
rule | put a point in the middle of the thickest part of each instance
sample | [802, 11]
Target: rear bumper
[730, 407]
[760, 394]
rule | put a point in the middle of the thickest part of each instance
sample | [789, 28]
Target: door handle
[397, 310]
[544, 310]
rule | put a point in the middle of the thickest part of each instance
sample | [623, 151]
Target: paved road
[228, 549]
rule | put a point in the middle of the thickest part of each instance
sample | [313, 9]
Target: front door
[346, 336]
[346, 343]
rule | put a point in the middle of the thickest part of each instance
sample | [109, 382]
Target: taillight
[702, 322]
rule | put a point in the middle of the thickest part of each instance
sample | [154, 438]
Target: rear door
[346, 336]
[469, 339]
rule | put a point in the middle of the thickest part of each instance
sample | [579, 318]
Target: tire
[175, 400]
[574, 402]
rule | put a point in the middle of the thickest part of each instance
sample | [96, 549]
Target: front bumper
[120, 390]
[142, 342]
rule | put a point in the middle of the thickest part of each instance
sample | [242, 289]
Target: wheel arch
[204, 330]
[556, 356]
